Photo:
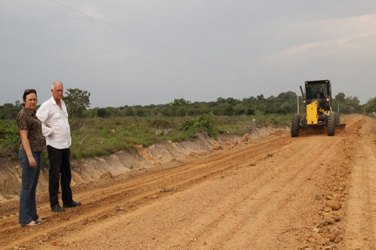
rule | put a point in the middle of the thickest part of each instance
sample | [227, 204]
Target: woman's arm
[27, 148]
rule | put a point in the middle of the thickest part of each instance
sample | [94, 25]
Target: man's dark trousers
[59, 168]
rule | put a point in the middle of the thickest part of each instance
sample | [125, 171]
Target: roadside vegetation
[103, 131]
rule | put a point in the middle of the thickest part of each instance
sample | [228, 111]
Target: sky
[140, 52]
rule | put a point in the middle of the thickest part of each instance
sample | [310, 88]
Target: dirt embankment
[91, 170]
[278, 192]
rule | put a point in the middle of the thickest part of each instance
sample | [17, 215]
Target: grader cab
[317, 98]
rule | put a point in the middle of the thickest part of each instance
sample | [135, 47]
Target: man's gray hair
[54, 83]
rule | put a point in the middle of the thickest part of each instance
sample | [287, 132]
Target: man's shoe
[57, 209]
[72, 204]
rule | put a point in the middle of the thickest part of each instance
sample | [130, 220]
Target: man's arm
[43, 115]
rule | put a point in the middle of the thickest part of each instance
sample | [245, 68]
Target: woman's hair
[27, 92]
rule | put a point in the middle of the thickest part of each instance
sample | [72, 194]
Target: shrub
[10, 140]
[202, 123]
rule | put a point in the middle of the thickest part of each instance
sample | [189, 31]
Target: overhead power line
[138, 36]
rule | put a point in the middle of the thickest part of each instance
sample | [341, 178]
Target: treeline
[9, 111]
[285, 103]
[102, 131]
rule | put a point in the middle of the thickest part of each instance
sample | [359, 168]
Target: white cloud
[327, 38]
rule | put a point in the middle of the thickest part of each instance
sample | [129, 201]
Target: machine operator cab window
[314, 92]
[318, 90]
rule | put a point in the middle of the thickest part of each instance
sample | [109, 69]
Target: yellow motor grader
[317, 99]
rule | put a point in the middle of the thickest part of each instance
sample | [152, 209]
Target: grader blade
[341, 126]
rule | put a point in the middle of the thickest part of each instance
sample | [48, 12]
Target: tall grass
[96, 136]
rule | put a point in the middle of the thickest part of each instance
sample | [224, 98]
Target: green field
[104, 136]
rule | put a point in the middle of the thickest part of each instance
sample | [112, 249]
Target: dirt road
[310, 192]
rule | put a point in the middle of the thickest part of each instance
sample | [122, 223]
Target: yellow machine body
[317, 99]
[312, 112]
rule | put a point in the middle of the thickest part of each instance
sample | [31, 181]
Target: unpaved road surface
[310, 192]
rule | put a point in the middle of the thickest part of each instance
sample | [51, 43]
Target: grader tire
[295, 125]
[331, 126]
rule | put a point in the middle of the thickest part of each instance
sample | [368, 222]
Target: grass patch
[97, 136]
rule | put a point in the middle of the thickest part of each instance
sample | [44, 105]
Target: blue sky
[153, 51]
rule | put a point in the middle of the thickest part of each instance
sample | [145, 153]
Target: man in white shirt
[55, 127]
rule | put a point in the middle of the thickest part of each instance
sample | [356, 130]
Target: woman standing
[30, 152]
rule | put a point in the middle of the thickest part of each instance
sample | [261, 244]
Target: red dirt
[310, 192]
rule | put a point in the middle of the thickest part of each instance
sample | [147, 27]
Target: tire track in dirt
[361, 207]
[272, 195]
[257, 197]
[187, 234]
[172, 238]
[100, 203]
[151, 176]
[276, 194]
[282, 204]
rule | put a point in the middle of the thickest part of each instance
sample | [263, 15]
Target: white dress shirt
[55, 126]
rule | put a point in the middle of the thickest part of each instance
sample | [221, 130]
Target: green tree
[180, 102]
[77, 101]
[370, 106]
[346, 105]
[340, 97]
[9, 111]
[286, 103]
[102, 112]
